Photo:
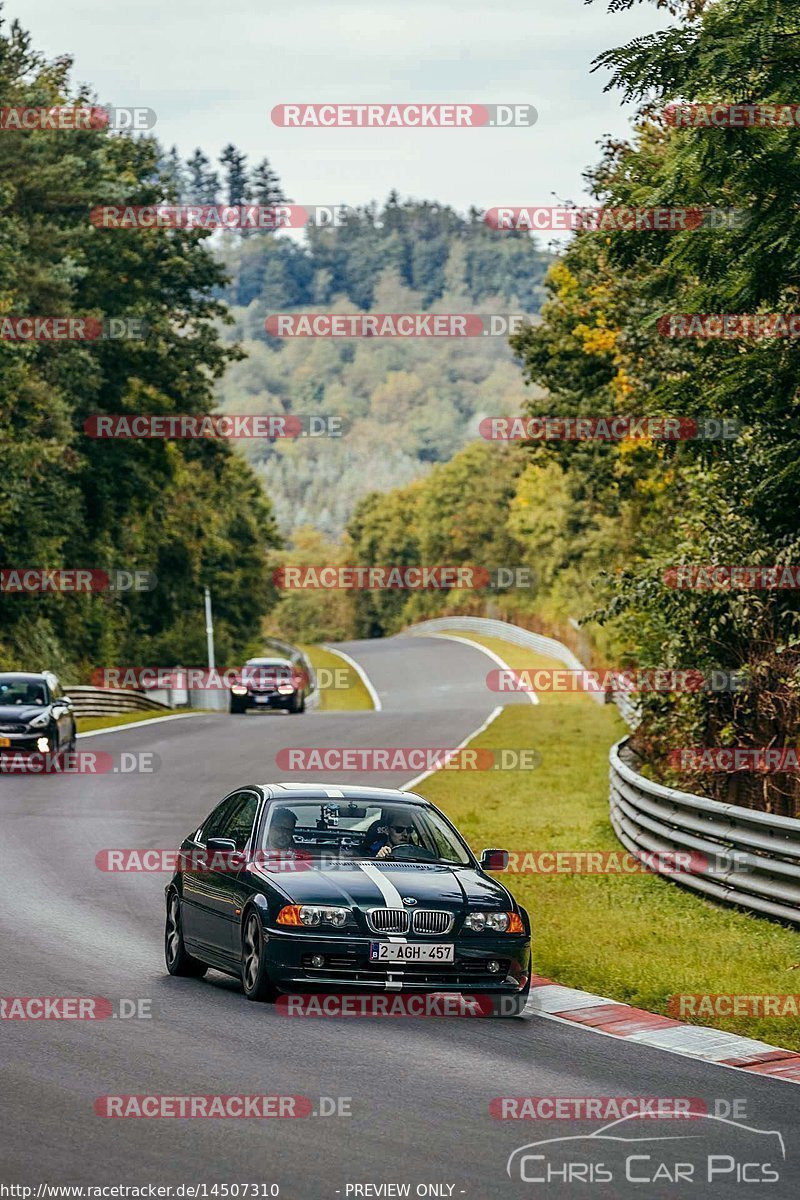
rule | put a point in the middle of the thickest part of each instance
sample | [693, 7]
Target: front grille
[12, 728]
[388, 920]
[432, 920]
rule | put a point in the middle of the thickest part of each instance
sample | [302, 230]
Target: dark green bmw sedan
[302, 888]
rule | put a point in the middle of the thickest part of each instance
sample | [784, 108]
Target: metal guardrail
[734, 855]
[295, 655]
[102, 702]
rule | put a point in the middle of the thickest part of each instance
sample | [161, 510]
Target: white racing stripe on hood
[391, 896]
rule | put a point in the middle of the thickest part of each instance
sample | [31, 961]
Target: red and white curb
[609, 1017]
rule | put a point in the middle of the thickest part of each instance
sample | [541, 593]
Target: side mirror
[221, 845]
[221, 855]
[67, 700]
[494, 860]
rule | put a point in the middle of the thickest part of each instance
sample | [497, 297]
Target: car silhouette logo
[614, 1132]
[409, 900]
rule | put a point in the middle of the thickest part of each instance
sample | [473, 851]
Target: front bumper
[267, 700]
[347, 965]
[24, 742]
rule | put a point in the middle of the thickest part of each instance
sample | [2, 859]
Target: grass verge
[333, 669]
[85, 724]
[636, 938]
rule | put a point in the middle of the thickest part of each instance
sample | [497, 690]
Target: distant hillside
[409, 402]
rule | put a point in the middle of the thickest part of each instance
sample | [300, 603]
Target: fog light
[317, 960]
[43, 745]
[493, 966]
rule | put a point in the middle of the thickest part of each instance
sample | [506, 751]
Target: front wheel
[255, 977]
[514, 1006]
[179, 960]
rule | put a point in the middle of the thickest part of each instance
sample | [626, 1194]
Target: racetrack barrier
[740, 856]
[102, 702]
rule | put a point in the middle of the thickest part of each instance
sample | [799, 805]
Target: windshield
[21, 691]
[350, 830]
[267, 672]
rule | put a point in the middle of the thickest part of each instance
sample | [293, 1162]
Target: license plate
[5, 741]
[262, 699]
[410, 952]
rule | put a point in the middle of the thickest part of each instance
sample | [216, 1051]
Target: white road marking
[454, 637]
[359, 670]
[493, 715]
[151, 721]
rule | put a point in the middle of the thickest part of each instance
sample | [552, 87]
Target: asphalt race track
[419, 1089]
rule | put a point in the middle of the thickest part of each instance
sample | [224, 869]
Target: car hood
[20, 714]
[374, 884]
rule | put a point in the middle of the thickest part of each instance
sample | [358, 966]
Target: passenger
[281, 829]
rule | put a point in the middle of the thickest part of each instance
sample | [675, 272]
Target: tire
[236, 705]
[256, 982]
[297, 704]
[514, 1006]
[179, 961]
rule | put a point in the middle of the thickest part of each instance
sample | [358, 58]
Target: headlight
[238, 690]
[285, 689]
[40, 721]
[494, 922]
[313, 914]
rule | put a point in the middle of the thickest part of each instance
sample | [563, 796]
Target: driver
[394, 829]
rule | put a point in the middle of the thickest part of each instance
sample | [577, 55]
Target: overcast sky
[213, 72]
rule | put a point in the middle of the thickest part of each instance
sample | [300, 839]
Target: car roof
[345, 791]
[268, 662]
[31, 676]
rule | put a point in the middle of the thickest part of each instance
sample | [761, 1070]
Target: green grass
[354, 696]
[85, 724]
[636, 938]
